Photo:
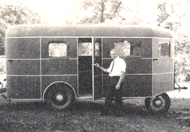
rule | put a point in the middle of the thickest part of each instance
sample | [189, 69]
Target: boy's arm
[103, 69]
[120, 80]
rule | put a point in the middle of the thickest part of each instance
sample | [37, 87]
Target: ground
[84, 116]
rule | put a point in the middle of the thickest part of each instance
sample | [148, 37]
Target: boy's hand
[97, 65]
[117, 87]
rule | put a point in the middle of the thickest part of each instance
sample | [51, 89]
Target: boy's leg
[108, 99]
[118, 100]
[118, 95]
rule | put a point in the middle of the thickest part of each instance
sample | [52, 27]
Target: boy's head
[113, 53]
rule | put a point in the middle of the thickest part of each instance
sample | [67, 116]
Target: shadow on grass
[24, 106]
[83, 107]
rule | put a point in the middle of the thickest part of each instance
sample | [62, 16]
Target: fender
[58, 82]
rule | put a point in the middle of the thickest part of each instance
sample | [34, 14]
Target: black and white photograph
[94, 66]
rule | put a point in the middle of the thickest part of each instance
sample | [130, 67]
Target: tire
[60, 97]
[158, 104]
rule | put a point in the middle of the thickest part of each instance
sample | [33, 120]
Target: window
[85, 49]
[97, 49]
[127, 48]
[123, 48]
[136, 49]
[58, 49]
[164, 49]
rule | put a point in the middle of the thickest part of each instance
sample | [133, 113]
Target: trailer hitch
[179, 87]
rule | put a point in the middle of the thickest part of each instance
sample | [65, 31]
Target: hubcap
[59, 97]
[158, 102]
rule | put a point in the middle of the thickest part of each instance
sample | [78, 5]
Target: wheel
[158, 104]
[60, 97]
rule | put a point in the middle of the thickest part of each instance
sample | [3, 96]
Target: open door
[90, 77]
[97, 73]
[85, 67]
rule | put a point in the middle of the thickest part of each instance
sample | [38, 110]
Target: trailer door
[97, 73]
[162, 66]
[85, 67]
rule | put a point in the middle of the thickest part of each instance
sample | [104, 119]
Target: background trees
[13, 15]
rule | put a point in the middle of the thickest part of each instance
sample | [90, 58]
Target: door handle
[10, 60]
[154, 59]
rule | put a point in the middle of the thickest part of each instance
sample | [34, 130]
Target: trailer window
[97, 49]
[58, 49]
[127, 48]
[123, 48]
[136, 49]
[85, 49]
[164, 49]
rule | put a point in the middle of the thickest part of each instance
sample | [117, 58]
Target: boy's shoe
[108, 113]
[120, 107]
[119, 113]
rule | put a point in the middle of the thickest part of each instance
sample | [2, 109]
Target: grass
[84, 116]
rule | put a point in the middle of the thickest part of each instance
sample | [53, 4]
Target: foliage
[176, 19]
[121, 12]
[96, 11]
[14, 15]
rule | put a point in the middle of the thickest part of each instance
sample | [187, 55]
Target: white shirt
[117, 66]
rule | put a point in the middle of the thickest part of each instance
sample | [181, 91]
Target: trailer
[55, 63]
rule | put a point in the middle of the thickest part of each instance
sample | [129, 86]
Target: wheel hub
[158, 102]
[59, 97]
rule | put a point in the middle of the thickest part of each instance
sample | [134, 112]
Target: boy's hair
[115, 51]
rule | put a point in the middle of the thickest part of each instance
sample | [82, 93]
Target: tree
[176, 17]
[163, 15]
[96, 11]
[107, 12]
[14, 15]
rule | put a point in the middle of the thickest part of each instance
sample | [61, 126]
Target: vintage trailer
[55, 63]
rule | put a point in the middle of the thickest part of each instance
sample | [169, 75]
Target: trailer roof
[91, 30]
